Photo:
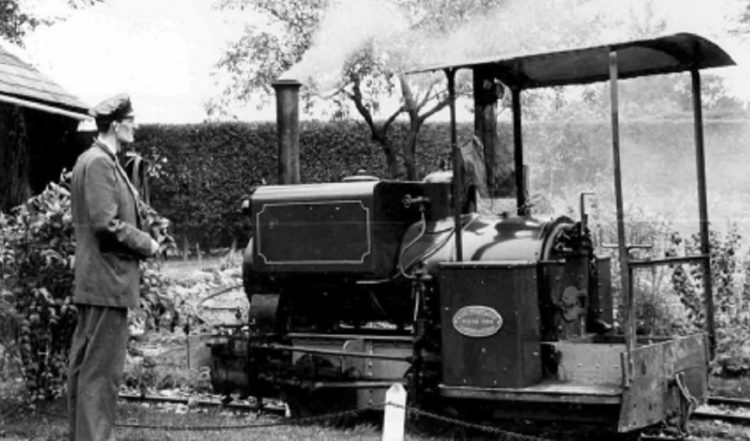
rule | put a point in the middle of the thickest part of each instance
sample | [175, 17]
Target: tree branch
[427, 96]
[438, 107]
[392, 118]
[409, 102]
[356, 97]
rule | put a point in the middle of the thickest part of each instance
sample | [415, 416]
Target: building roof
[667, 54]
[21, 83]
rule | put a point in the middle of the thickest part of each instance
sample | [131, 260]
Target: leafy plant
[38, 257]
[730, 276]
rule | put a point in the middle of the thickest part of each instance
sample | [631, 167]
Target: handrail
[698, 258]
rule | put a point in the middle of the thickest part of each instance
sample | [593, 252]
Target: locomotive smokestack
[287, 122]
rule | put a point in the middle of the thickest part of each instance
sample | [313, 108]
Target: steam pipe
[287, 123]
[700, 163]
[458, 177]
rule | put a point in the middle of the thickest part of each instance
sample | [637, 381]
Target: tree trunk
[379, 133]
[413, 106]
[410, 152]
[391, 158]
[15, 160]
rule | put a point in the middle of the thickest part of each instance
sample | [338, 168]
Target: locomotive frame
[517, 330]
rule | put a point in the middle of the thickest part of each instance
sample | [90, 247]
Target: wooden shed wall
[35, 147]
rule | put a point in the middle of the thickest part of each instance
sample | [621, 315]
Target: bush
[200, 173]
[669, 299]
[38, 254]
[38, 250]
[730, 271]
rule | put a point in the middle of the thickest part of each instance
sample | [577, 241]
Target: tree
[742, 26]
[371, 67]
[16, 22]
[372, 71]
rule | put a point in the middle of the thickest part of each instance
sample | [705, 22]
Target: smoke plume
[512, 28]
[345, 28]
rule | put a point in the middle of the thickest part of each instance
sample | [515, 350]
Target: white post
[395, 413]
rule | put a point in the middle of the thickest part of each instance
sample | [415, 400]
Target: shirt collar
[110, 148]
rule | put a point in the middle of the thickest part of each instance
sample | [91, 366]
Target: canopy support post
[700, 163]
[457, 171]
[628, 302]
[518, 152]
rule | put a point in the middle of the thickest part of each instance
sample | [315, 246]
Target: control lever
[422, 201]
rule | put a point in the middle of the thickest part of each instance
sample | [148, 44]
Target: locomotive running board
[669, 373]
[544, 392]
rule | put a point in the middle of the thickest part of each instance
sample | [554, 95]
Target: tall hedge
[201, 172]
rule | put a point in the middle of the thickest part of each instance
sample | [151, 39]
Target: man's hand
[155, 247]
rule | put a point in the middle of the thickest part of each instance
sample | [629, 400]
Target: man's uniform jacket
[109, 243]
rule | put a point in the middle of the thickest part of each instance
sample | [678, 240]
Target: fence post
[394, 416]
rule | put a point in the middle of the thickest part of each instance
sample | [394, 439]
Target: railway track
[271, 408]
[729, 404]
[726, 414]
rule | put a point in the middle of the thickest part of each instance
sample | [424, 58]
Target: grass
[19, 423]
[179, 269]
[49, 424]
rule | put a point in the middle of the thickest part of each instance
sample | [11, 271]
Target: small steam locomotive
[354, 286]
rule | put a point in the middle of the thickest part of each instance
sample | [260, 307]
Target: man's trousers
[97, 355]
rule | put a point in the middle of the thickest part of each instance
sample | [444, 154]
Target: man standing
[109, 245]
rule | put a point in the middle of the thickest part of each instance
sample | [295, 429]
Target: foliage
[262, 54]
[38, 256]
[730, 271]
[16, 22]
[365, 67]
[670, 299]
[200, 173]
[347, 61]
[37, 271]
[742, 21]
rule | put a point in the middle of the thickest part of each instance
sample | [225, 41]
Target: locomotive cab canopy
[682, 52]
[640, 382]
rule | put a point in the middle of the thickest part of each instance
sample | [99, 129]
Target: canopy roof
[667, 54]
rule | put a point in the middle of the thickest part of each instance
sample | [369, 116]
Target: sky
[163, 52]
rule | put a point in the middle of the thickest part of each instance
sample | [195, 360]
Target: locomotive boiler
[356, 285]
